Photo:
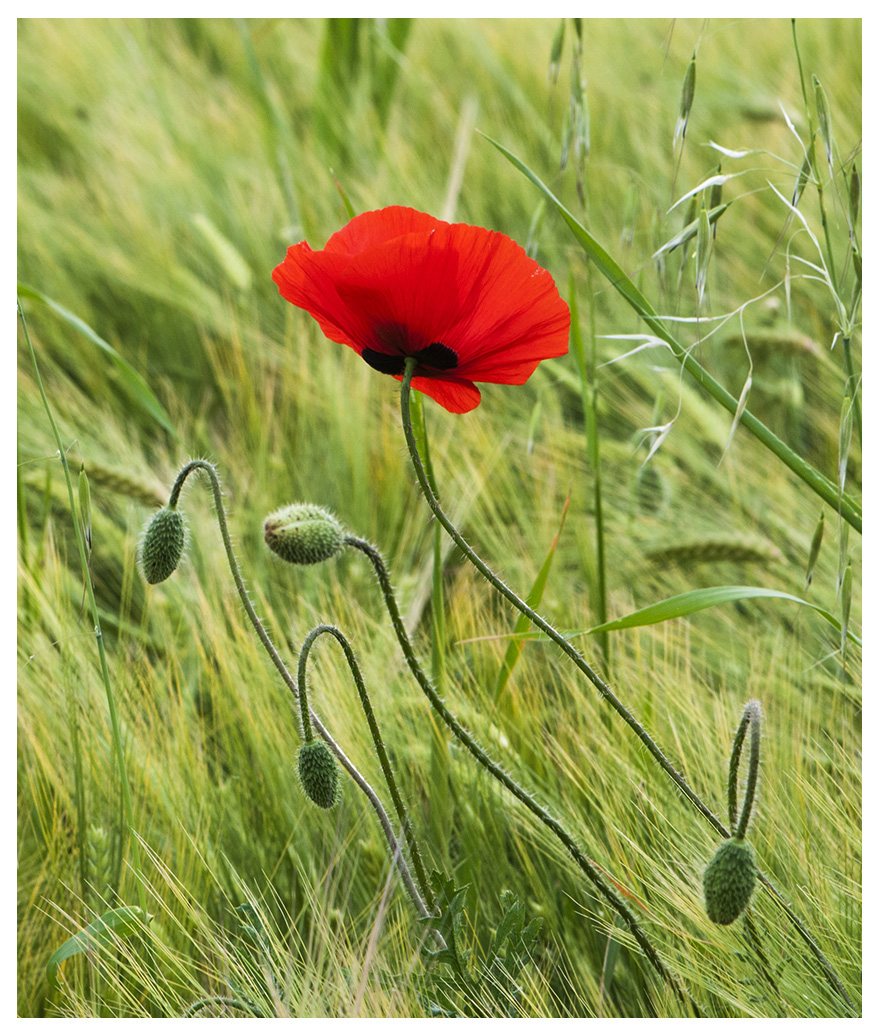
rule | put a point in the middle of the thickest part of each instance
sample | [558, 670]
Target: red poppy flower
[468, 302]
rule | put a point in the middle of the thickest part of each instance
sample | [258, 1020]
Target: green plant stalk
[538, 620]
[80, 792]
[378, 743]
[438, 614]
[751, 716]
[852, 382]
[396, 855]
[819, 483]
[119, 750]
[223, 1001]
[589, 392]
[819, 186]
[585, 864]
[441, 811]
[604, 691]
[853, 388]
[754, 763]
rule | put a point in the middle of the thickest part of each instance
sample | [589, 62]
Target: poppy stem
[378, 743]
[397, 856]
[604, 690]
[542, 624]
[589, 868]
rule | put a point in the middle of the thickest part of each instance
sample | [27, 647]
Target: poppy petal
[466, 301]
[375, 228]
[308, 279]
[455, 394]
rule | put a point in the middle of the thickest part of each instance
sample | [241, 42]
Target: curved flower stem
[223, 1001]
[580, 662]
[584, 862]
[751, 715]
[542, 624]
[271, 650]
[379, 744]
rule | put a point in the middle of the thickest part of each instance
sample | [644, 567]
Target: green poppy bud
[304, 534]
[162, 545]
[729, 880]
[318, 773]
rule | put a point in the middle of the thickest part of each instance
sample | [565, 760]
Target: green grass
[164, 167]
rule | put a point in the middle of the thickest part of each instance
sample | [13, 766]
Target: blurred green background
[164, 167]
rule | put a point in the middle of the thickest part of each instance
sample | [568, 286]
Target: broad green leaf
[679, 606]
[100, 934]
[698, 600]
[133, 381]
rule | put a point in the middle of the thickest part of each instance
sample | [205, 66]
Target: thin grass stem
[119, 750]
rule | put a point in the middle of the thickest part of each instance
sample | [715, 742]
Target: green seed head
[162, 545]
[318, 773]
[728, 881]
[304, 534]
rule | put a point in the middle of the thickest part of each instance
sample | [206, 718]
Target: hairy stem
[379, 744]
[345, 762]
[751, 717]
[584, 862]
[603, 689]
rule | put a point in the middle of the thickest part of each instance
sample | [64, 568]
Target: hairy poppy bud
[304, 534]
[162, 545]
[728, 881]
[318, 773]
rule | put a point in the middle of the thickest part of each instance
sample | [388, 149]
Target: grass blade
[819, 483]
[99, 935]
[514, 649]
[698, 600]
[133, 381]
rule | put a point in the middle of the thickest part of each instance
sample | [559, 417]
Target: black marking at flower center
[437, 356]
[384, 362]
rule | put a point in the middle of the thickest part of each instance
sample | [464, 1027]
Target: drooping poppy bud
[304, 534]
[318, 773]
[729, 880]
[162, 545]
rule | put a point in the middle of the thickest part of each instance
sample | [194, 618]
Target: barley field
[684, 473]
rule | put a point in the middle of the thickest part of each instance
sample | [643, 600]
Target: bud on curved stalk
[304, 534]
[729, 880]
[318, 773]
[162, 546]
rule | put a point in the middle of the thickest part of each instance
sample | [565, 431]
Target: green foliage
[164, 167]
[486, 985]
[119, 923]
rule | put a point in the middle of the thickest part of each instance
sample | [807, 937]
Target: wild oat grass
[164, 166]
